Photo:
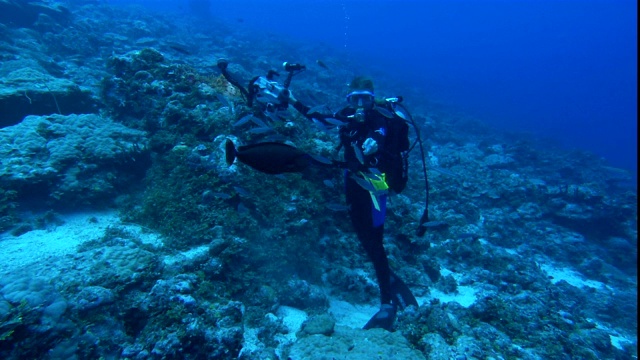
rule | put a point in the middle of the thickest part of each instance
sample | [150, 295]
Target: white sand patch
[571, 276]
[190, 254]
[465, 296]
[618, 340]
[143, 234]
[41, 246]
[349, 315]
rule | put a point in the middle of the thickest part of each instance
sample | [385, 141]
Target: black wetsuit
[367, 217]
[367, 214]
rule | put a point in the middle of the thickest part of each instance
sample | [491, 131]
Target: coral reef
[74, 159]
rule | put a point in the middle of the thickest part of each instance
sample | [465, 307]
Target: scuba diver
[374, 137]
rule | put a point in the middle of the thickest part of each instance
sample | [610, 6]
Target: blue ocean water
[563, 70]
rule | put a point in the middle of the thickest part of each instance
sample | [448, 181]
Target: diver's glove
[383, 319]
[369, 146]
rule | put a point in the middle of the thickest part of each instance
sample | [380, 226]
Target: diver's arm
[302, 108]
[222, 65]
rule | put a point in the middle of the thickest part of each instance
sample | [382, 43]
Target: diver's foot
[383, 319]
[401, 295]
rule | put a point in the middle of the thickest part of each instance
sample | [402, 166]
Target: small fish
[318, 109]
[242, 191]
[275, 138]
[243, 120]
[364, 183]
[435, 224]
[328, 183]
[259, 130]
[322, 65]
[335, 122]
[221, 195]
[320, 125]
[179, 48]
[242, 209]
[232, 109]
[384, 112]
[274, 117]
[258, 122]
[321, 159]
[337, 207]
[465, 236]
[223, 100]
[444, 171]
[358, 152]
[375, 172]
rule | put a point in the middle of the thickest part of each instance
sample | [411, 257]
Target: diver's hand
[369, 147]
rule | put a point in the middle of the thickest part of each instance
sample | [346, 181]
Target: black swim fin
[230, 152]
[401, 295]
[383, 319]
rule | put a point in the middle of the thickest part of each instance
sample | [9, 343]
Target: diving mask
[361, 99]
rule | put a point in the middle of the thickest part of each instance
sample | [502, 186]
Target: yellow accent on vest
[380, 184]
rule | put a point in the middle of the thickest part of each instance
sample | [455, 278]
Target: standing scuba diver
[374, 138]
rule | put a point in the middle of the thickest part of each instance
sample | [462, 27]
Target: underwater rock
[318, 325]
[27, 91]
[447, 284]
[496, 161]
[300, 294]
[25, 13]
[436, 347]
[35, 315]
[353, 344]
[70, 159]
[92, 297]
[134, 61]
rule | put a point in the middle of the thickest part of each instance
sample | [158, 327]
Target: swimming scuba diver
[375, 142]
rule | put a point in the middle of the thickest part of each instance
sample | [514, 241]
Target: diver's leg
[370, 236]
[375, 249]
[363, 217]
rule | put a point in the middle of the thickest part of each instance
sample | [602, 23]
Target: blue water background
[564, 70]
